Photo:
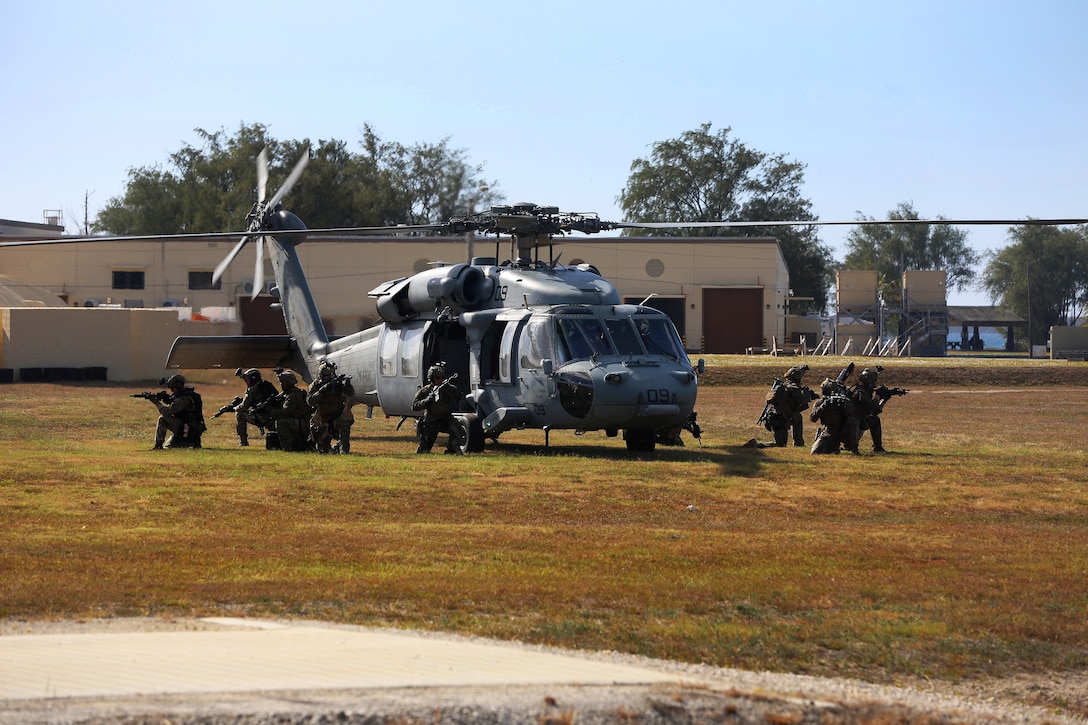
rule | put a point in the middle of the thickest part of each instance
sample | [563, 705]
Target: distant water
[992, 339]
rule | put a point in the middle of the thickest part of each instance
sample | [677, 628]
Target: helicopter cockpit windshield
[578, 337]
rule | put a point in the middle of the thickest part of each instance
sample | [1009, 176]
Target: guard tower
[858, 320]
[925, 313]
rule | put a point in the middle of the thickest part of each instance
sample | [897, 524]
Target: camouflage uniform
[247, 412]
[868, 406]
[292, 415]
[438, 402]
[181, 415]
[332, 416]
[835, 413]
[787, 399]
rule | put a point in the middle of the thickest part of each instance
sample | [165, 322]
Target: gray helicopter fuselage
[542, 346]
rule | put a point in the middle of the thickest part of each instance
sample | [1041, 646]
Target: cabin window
[624, 336]
[387, 354]
[535, 343]
[410, 351]
[506, 353]
[578, 339]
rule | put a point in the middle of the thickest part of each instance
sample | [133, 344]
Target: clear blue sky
[967, 109]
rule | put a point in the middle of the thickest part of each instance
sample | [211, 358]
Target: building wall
[342, 271]
[130, 344]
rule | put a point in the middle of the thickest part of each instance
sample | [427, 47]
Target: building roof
[17, 293]
[983, 316]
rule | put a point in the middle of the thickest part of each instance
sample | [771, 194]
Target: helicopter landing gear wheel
[470, 433]
[640, 440]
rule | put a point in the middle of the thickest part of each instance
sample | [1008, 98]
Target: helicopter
[529, 343]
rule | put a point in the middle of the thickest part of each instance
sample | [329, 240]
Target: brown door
[259, 318]
[732, 320]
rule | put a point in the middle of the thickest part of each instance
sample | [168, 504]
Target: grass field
[962, 554]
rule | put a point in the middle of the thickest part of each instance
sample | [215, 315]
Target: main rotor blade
[291, 179]
[855, 223]
[262, 174]
[228, 259]
[258, 270]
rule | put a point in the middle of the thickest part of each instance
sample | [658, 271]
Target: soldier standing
[181, 414]
[868, 406]
[332, 417]
[438, 399]
[249, 412]
[292, 414]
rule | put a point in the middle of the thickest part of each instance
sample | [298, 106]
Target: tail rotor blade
[228, 259]
[258, 270]
[262, 174]
[295, 174]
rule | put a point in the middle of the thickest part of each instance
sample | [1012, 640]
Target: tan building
[724, 294]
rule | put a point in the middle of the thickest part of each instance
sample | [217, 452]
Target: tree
[211, 187]
[1042, 276]
[891, 249]
[705, 176]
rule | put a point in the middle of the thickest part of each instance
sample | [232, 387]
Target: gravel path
[708, 694]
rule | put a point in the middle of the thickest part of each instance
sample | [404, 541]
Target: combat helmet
[828, 387]
[435, 372]
[327, 368]
[796, 373]
[868, 375]
[288, 378]
[175, 382]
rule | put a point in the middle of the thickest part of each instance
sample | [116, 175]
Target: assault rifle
[160, 397]
[229, 407]
[691, 426]
[885, 393]
[768, 408]
[433, 397]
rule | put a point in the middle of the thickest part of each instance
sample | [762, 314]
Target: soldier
[835, 412]
[332, 417]
[182, 414]
[291, 413]
[868, 406]
[782, 410]
[438, 399]
[250, 411]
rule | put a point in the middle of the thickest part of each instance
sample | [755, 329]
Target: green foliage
[1042, 276]
[891, 249]
[211, 187]
[705, 176]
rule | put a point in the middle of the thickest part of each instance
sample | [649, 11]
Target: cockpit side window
[624, 336]
[659, 337]
[580, 338]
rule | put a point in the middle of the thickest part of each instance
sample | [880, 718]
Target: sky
[963, 108]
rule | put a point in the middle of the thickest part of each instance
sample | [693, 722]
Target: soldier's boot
[878, 441]
[157, 446]
[243, 442]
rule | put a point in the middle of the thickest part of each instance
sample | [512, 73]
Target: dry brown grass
[964, 552]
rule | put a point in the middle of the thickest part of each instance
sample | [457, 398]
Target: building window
[128, 279]
[203, 280]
